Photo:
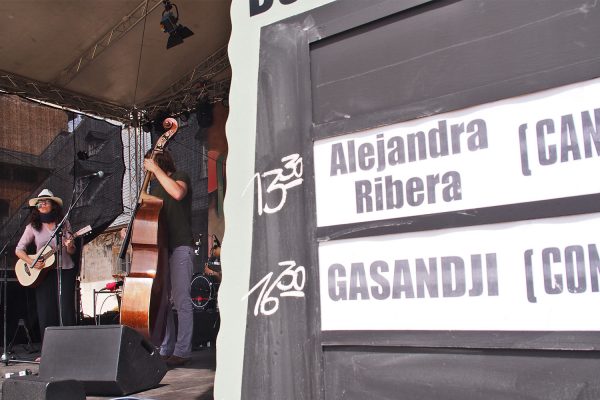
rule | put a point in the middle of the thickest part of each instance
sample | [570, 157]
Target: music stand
[5, 355]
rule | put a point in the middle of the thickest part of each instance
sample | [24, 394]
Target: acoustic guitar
[32, 277]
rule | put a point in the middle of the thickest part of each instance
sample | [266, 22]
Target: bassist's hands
[150, 165]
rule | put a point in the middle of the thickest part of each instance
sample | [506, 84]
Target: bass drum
[204, 291]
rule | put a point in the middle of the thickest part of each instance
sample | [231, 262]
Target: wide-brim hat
[45, 195]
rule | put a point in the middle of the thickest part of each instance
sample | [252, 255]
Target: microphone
[28, 207]
[98, 174]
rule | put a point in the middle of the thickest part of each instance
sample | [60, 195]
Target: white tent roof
[108, 56]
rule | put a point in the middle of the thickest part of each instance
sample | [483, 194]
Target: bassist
[174, 188]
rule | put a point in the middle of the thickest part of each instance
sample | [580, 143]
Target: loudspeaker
[109, 360]
[204, 113]
[35, 388]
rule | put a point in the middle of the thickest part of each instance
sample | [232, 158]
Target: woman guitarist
[44, 217]
[174, 188]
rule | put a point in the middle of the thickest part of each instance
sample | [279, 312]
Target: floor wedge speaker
[108, 359]
[35, 388]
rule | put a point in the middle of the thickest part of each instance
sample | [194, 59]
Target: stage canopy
[109, 57]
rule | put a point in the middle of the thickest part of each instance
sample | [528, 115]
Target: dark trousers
[46, 297]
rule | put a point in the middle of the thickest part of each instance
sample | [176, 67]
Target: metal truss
[44, 92]
[117, 32]
[183, 94]
[186, 101]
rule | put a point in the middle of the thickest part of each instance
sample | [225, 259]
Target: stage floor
[194, 381]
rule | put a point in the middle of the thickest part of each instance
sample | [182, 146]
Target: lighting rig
[170, 24]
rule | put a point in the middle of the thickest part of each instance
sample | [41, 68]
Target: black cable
[137, 78]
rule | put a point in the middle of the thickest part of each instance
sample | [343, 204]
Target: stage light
[204, 113]
[170, 24]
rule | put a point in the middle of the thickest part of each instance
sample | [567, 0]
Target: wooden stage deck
[194, 381]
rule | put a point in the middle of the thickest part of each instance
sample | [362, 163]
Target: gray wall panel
[387, 373]
[446, 55]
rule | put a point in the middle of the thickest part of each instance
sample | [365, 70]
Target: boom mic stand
[5, 356]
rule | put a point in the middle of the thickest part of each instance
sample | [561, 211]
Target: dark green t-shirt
[178, 214]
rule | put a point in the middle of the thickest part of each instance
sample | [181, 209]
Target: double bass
[144, 303]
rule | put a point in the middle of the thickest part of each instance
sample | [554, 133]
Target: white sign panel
[535, 147]
[525, 276]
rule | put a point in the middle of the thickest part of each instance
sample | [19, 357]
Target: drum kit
[205, 284]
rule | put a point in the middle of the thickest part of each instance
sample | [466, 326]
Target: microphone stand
[5, 356]
[58, 234]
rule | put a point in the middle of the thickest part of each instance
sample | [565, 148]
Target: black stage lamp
[147, 126]
[204, 113]
[169, 24]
